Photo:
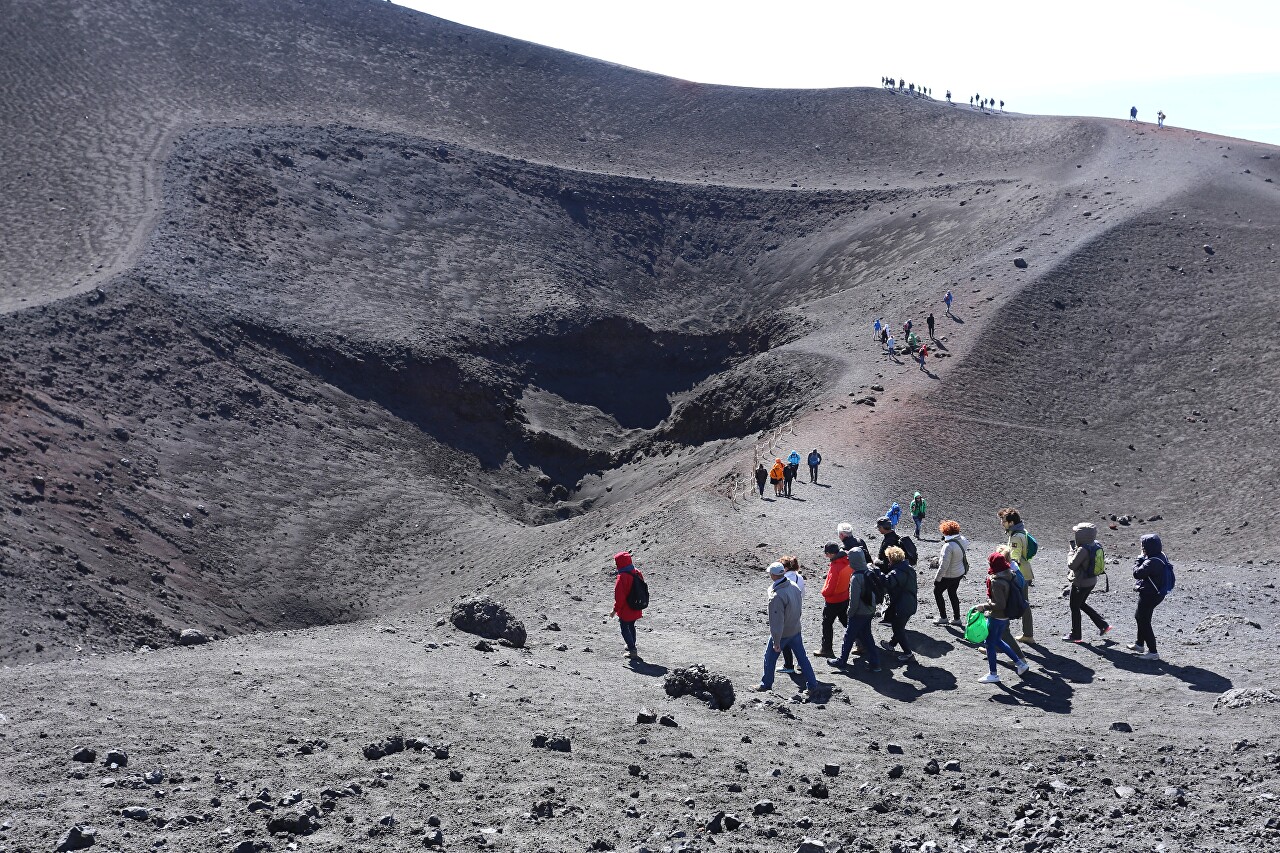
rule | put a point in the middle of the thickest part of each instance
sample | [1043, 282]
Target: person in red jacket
[627, 616]
[835, 592]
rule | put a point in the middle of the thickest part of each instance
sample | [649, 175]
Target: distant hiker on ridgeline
[1133, 113]
[814, 460]
[953, 565]
[863, 599]
[850, 542]
[792, 565]
[1002, 106]
[948, 96]
[1022, 548]
[1153, 579]
[970, 102]
[1003, 599]
[1160, 117]
[929, 321]
[1085, 564]
[762, 477]
[630, 598]
[835, 593]
[947, 299]
[775, 477]
[789, 476]
[918, 506]
[784, 608]
[900, 581]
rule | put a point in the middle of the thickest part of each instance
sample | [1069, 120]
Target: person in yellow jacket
[1016, 542]
[776, 475]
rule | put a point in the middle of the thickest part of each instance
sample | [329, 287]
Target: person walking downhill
[928, 321]
[900, 581]
[775, 477]
[906, 328]
[1153, 579]
[875, 328]
[862, 608]
[947, 299]
[889, 346]
[918, 509]
[789, 476]
[1001, 592]
[814, 460]
[792, 565]
[762, 477]
[1020, 553]
[626, 576]
[1085, 565]
[923, 354]
[835, 592]
[844, 531]
[953, 565]
[784, 608]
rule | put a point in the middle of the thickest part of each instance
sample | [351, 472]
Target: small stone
[953, 766]
[77, 838]
[1121, 727]
[831, 769]
[85, 754]
[1124, 792]
[556, 743]
[455, 775]
[155, 777]
[1020, 263]
[896, 771]
[811, 845]
[483, 646]
[633, 769]
[819, 789]
[646, 716]
[668, 720]
[893, 749]
[731, 822]
[434, 839]
[762, 807]
[117, 758]
[1208, 250]
[931, 767]
[136, 813]
[192, 637]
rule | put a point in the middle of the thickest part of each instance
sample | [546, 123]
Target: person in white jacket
[953, 564]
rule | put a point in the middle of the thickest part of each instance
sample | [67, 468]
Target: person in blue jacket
[1153, 579]
[815, 459]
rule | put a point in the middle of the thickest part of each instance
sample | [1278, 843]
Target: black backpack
[909, 548]
[638, 597]
[1016, 605]
[874, 588]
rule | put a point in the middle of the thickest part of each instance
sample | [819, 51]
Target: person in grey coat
[1086, 554]
[862, 609]
[785, 604]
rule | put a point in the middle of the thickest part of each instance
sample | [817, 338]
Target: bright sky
[1213, 66]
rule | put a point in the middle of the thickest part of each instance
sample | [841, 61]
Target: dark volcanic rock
[646, 716]
[487, 618]
[698, 681]
[86, 755]
[77, 838]
[300, 821]
[118, 757]
[1020, 263]
[192, 637]
[556, 743]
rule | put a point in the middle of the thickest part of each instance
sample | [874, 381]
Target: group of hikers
[858, 586]
[782, 475]
[913, 346]
[908, 88]
[1160, 116]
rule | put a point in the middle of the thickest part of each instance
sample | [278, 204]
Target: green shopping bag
[976, 626]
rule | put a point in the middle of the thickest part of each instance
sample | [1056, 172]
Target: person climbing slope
[953, 565]
[862, 608]
[918, 508]
[1153, 579]
[814, 460]
[849, 542]
[900, 581]
[1085, 565]
[1002, 597]
[626, 577]
[792, 565]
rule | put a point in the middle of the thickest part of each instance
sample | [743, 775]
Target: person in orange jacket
[627, 615]
[776, 475]
[835, 592]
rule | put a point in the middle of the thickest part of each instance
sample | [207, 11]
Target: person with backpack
[785, 609]
[866, 590]
[953, 565]
[1004, 600]
[1085, 565]
[814, 460]
[762, 477]
[630, 598]
[835, 592]
[1160, 117]
[888, 539]
[1022, 548]
[849, 542]
[775, 477]
[875, 329]
[924, 354]
[900, 584]
[789, 472]
[929, 321]
[792, 565]
[918, 505]
[1153, 578]
[1133, 113]
[948, 299]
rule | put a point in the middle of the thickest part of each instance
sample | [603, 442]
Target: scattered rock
[811, 845]
[831, 769]
[1245, 697]
[1124, 792]
[896, 771]
[433, 839]
[483, 646]
[116, 758]
[1121, 726]
[455, 775]
[77, 838]
[383, 748]
[893, 749]
[85, 754]
[556, 743]
[192, 637]
[931, 767]
[646, 716]
[669, 721]
[762, 807]
[487, 618]
[715, 689]
[136, 813]
[953, 766]
[1020, 263]
[1221, 622]
[1208, 250]
[819, 789]
[299, 821]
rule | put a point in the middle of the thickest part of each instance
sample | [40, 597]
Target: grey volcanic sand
[335, 313]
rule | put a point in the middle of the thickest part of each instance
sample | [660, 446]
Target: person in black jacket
[1152, 578]
[849, 542]
[889, 538]
[762, 477]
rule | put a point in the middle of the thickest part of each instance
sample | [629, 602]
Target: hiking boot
[1137, 647]
[788, 670]
[837, 663]
[760, 688]
[826, 653]
[1027, 638]
[906, 656]
[1149, 656]
[989, 678]
[1102, 632]
[1022, 667]
[1071, 639]
[941, 620]
[887, 645]
[958, 621]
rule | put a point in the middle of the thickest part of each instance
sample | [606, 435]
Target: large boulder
[487, 618]
[701, 683]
